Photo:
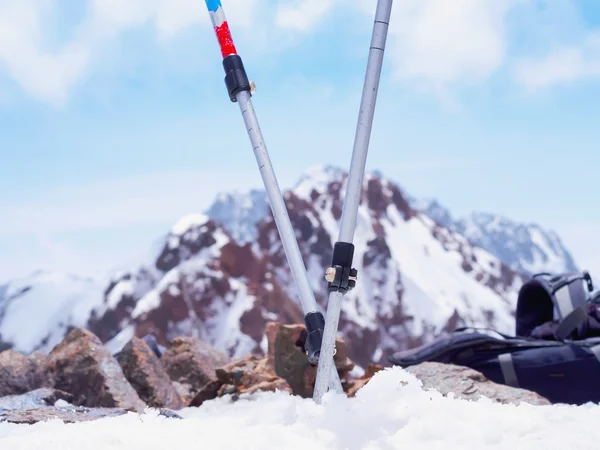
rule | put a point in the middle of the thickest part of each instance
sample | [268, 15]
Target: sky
[115, 121]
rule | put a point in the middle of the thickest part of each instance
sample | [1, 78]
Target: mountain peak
[317, 178]
[526, 247]
[187, 222]
[240, 212]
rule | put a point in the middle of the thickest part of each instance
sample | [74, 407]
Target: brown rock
[38, 363]
[82, 366]
[148, 377]
[208, 392]
[469, 384]
[371, 370]
[20, 374]
[287, 357]
[192, 363]
[243, 376]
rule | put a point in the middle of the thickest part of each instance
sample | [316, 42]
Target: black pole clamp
[341, 276]
[236, 79]
[315, 324]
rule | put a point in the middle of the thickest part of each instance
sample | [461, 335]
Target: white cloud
[49, 73]
[44, 74]
[303, 15]
[436, 43]
[565, 64]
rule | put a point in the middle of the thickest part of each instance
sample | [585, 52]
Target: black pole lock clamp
[341, 276]
[236, 79]
[315, 324]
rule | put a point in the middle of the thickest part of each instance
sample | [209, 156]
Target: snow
[151, 300]
[317, 178]
[187, 222]
[390, 412]
[122, 289]
[117, 343]
[526, 247]
[225, 324]
[240, 213]
[435, 283]
[39, 309]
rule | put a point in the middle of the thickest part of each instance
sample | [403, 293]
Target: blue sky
[114, 120]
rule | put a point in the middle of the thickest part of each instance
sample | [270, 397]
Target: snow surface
[37, 310]
[390, 412]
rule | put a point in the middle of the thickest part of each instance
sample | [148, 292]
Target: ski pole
[240, 90]
[341, 276]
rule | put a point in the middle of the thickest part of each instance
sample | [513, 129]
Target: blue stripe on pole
[213, 5]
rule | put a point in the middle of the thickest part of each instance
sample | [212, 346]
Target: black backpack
[556, 307]
[556, 350]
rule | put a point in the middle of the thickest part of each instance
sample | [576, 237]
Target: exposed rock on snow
[248, 376]
[82, 366]
[193, 364]
[469, 384]
[146, 374]
[19, 373]
[85, 375]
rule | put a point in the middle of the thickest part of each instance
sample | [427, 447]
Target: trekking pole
[240, 90]
[341, 276]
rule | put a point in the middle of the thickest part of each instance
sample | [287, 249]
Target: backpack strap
[569, 299]
[509, 372]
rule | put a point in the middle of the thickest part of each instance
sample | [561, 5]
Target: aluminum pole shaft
[240, 91]
[355, 182]
[281, 216]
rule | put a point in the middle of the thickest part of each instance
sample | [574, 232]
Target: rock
[208, 392]
[287, 357]
[250, 375]
[82, 366]
[39, 376]
[192, 363]
[66, 414]
[34, 399]
[145, 373]
[243, 376]
[20, 374]
[469, 384]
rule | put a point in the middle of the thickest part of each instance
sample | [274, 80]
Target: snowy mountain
[526, 247]
[416, 278]
[225, 279]
[36, 312]
[202, 281]
[240, 213]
